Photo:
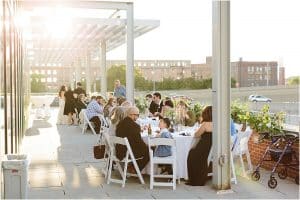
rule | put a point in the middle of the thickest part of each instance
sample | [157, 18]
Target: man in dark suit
[156, 104]
[130, 129]
[79, 90]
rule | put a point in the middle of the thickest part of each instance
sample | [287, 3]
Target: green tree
[295, 80]
[119, 72]
[36, 84]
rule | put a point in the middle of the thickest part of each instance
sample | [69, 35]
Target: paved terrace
[62, 167]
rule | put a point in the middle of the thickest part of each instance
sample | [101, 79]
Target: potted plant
[141, 104]
[240, 113]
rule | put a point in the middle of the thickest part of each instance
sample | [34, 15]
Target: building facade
[251, 73]
[246, 73]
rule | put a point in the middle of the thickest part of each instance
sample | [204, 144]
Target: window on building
[49, 80]
[54, 72]
[43, 80]
[54, 80]
[42, 71]
[36, 71]
[48, 71]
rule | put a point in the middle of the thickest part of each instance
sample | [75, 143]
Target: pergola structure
[66, 33]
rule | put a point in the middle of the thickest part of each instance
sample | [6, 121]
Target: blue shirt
[232, 128]
[163, 150]
[120, 91]
[233, 133]
[93, 109]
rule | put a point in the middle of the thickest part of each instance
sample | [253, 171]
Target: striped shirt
[93, 109]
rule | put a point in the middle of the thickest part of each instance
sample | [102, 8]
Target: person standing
[69, 106]
[79, 90]
[119, 90]
[61, 96]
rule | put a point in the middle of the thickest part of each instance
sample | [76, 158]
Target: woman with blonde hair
[118, 114]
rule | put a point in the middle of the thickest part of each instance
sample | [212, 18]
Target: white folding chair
[232, 167]
[162, 160]
[104, 139]
[104, 123]
[129, 158]
[86, 123]
[241, 148]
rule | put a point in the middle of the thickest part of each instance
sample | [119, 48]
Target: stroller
[281, 151]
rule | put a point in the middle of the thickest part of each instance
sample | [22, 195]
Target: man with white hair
[130, 129]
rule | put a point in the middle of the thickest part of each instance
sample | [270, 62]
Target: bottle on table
[149, 130]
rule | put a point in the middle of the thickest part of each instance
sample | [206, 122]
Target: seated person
[233, 132]
[190, 118]
[93, 110]
[130, 129]
[109, 106]
[167, 109]
[197, 157]
[117, 116]
[156, 104]
[164, 150]
[80, 103]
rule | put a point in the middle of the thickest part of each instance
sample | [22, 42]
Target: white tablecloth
[183, 146]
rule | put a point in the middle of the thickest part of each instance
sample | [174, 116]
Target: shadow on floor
[32, 132]
[40, 123]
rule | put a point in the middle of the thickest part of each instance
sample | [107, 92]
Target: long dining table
[184, 140]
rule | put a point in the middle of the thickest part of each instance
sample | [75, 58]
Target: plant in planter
[277, 121]
[240, 113]
[265, 124]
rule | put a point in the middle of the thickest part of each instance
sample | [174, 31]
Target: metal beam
[221, 93]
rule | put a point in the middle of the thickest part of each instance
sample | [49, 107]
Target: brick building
[254, 73]
[246, 73]
[281, 79]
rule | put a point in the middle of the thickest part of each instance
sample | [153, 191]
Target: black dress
[197, 160]
[69, 103]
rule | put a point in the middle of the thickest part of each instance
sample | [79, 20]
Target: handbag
[99, 151]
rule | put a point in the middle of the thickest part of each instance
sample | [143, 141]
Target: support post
[221, 93]
[130, 54]
[103, 69]
[88, 73]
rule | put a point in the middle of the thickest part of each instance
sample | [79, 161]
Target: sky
[261, 30]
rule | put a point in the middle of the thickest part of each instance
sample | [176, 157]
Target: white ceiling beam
[110, 5]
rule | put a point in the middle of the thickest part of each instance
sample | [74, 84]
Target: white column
[88, 72]
[77, 71]
[221, 94]
[130, 54]
[103, 69]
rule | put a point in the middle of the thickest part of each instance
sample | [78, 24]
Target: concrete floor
[62, 167]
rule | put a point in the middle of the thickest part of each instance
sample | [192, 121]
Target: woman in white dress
[61, 95]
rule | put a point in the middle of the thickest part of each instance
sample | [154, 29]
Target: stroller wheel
[272, 183]
[255, 176]
[282, 173]
[297, 179]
